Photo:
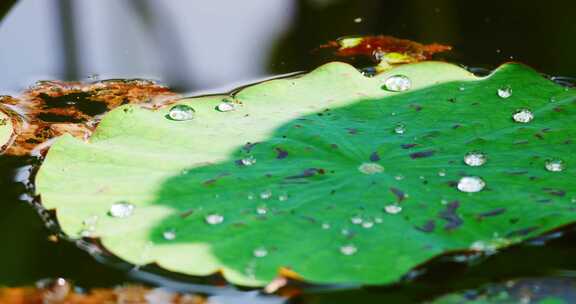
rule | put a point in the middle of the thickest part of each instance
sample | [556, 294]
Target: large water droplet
[397, 83]
[400, 128]
[348, 249]
[393, 209]
[505, 92]
[370, 168]
[475, 159]
[523, 116]
[248, 161]
[226, 106]
[181, 112]
[554, 165]
[121, 210]
[169, 234]
[214, 219]
[260, 252]
[471, 184]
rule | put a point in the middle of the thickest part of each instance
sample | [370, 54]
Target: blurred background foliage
[199, 45]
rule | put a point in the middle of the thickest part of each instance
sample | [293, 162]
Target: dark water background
[195, 46]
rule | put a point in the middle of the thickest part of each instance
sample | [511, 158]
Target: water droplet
[378, 220]
[345, 231]
[358, 20]
[523, 116]
[461, 89]
[283, 197]
[475, 159]
[356, 220]
[248, 161]
[169, 234]
[505, 92]
[367, 224]
[267, 194]
[326, 226]
[225, 107]
[393, 209]
[348, 250]
[573, 200]
[370, 168]
[260, 252]
[262, 210]
[214, 219]
[250, 196]
[554, 165]
[121, 210]
[397, 83]
[471, 184]
[181, 112]
[441, 173]
[400, 128]
[399, 177]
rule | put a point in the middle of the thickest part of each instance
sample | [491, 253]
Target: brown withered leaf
[131, 294]
[378, 46]
[52, 108]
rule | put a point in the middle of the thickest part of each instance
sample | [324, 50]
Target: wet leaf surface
[210, 192]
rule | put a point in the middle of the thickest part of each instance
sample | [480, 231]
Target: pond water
[198, 47]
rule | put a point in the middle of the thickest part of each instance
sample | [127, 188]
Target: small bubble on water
[267, 194]
[471, 184]
[523, 116]
[248, 161]
[475, 159]
[121, 210]
[214, 219]
[397, 83]
[181, 112]
[554, 165]
[356, 220]
[370, 168]
[348, 250]
[393, 209]
[225, 107]
[505, 92]
[260, 252]
[400, 129]
[169, 234]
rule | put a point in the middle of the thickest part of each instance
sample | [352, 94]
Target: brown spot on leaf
[422, 154]
[282, 154]
[449, 215]
[374, 157]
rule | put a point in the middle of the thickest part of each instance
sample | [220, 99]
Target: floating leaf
[309, 178]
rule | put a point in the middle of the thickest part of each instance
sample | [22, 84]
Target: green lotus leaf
[330, 177]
